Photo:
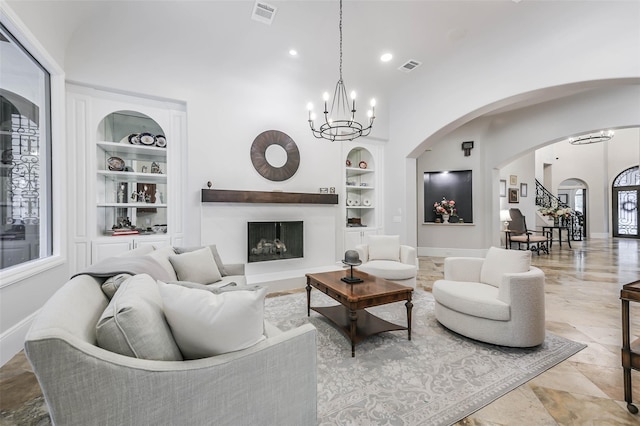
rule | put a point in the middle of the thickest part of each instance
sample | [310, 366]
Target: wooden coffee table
[350, 316]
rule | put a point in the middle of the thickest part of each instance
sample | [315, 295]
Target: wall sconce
[467, 147]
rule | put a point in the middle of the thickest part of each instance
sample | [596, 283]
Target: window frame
[56, 200]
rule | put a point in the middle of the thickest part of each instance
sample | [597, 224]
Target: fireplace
[275, 241]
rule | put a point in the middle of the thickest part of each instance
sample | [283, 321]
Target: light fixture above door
[602, 136]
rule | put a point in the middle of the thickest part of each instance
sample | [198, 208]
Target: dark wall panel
[452, 185]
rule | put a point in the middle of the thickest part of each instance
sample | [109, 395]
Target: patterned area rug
[437, 378]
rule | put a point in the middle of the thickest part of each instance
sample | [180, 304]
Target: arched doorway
[573, 193]
[625, 189]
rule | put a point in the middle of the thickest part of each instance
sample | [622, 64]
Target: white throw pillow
[205, 324]
[384, 247]
[161, 255]
[214, 250]
[197, 266]
[500, 261]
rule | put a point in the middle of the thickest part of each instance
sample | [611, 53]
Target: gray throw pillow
[197, 266]
[133, 324]
[214, 251]
[111, 284]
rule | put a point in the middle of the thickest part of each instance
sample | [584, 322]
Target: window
[25, 149]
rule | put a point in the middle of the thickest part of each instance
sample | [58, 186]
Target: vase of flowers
[556, 213]
[445, 208]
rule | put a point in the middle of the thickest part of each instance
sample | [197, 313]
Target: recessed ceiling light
[293, 52]
[386, 57]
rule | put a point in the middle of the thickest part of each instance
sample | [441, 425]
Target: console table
[630, 350]
[560, 228]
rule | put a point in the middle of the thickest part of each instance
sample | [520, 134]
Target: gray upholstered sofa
[270, 383]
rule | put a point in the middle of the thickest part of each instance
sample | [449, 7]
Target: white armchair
[385, 257]
[498, 300]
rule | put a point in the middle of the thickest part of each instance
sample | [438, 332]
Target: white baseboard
[451, 252]
[12, 340]
[599, 235]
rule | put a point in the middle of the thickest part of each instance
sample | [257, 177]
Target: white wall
[447, 155]
[524, 170]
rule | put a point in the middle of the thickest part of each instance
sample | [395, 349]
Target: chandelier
[592, 138]
[340, 123]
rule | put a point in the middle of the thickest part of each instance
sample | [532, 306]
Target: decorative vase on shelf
[445, 218]
[556, 221]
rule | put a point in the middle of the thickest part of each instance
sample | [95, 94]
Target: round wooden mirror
[272, 168]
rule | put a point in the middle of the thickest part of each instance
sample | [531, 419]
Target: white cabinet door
[151, 241]
[104, 248]
[358, 236]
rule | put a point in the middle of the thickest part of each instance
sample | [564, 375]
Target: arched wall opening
[574, 192]
[503, 138]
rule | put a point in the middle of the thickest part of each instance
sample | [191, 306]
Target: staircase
[575, 221]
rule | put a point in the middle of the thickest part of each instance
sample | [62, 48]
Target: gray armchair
[271, 383]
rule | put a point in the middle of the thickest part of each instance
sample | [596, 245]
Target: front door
[625, 204]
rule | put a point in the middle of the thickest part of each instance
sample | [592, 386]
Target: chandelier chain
[340, 26]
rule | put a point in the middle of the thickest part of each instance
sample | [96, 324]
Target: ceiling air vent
[410, 65]
[263, 12]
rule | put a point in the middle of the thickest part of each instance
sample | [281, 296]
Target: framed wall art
[524, 189]
[513, 180]
[514, 197]
[503, 188]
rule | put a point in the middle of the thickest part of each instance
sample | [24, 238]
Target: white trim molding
[12, 340]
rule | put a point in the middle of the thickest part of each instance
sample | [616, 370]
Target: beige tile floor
[582, 288]
[582, 303]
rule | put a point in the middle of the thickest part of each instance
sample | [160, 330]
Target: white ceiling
[222, 33]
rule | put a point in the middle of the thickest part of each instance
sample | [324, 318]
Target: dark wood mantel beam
[231, 196]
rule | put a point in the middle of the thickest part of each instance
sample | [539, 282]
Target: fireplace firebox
[275, 241]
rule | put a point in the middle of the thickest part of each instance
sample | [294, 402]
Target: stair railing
[575, 221]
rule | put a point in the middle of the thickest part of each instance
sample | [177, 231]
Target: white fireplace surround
[225, 225]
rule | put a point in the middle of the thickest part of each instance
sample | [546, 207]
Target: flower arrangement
[556, 212]
[445, 207]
